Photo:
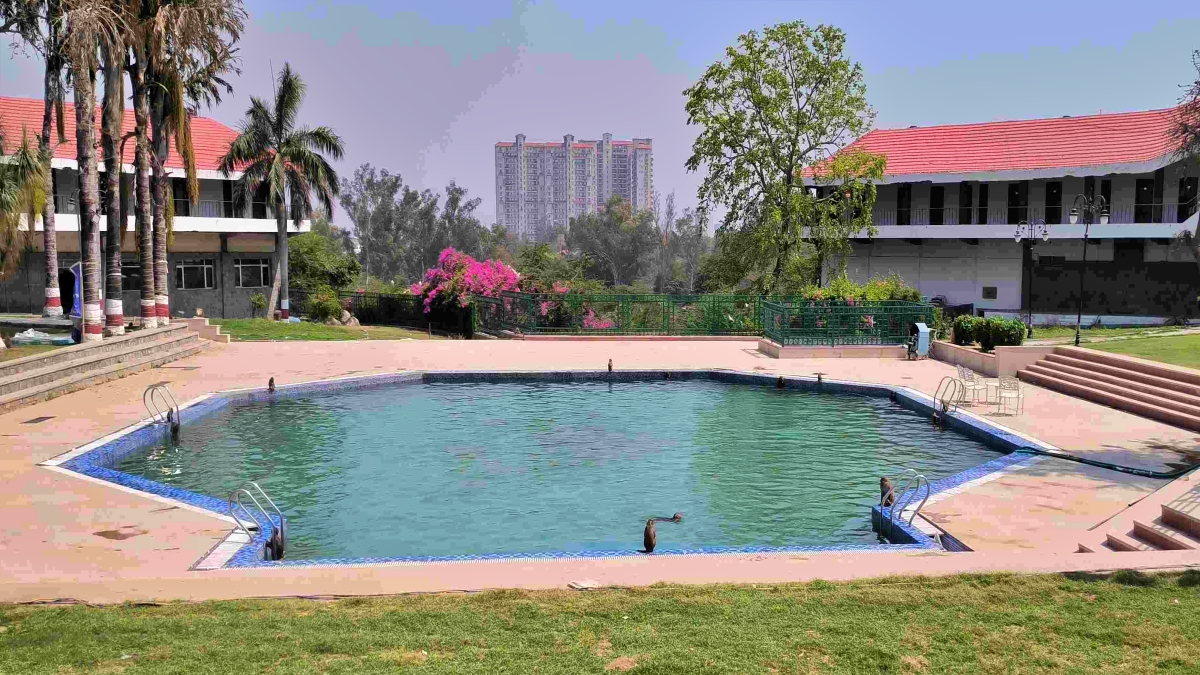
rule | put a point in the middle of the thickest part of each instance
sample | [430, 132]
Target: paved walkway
[63, 536]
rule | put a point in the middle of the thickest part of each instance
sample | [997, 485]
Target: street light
[1027, 232]
[1089, 208]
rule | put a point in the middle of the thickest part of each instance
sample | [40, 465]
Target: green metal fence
[837, 322]
[788, 320]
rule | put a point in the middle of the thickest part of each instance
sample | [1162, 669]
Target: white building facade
[948, 210]
[542, 186]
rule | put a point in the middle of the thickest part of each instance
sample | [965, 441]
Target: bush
[1002, 333]
[258, 302]
[965, 327]
[323, 305]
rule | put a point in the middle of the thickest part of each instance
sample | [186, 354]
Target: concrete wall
[984, 364]
[956, 269]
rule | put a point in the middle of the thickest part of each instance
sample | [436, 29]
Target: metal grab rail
[277, 544]
[950, 393]
[902, 499]
[160, 403]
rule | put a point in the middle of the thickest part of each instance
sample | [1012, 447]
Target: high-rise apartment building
[541, 186]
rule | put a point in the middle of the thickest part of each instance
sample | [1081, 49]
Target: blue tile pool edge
[96, 462]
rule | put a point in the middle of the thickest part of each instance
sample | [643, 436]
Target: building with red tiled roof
[221, 254]
[954, 197]
[541, 186]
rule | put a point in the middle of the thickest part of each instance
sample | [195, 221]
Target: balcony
[1119, 214]
[205, 208]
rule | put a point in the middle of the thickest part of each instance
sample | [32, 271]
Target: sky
[426, 89]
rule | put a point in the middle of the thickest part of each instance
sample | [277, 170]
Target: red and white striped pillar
[114, 317]
[149, 314]
[162, 309]
[93, 322]
[53, 306]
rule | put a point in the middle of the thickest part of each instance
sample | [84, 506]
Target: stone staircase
[1176, 528]
[208, 332]
[1155, 390]
[44, 376]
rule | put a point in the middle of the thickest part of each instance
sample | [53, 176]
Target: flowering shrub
[458, 277]
[591, 322]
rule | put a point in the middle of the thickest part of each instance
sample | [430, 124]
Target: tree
[620, 244]
[21, 197]
[689, 244]
[112, 116]
[89, 25]
[1186, 133]
[339, 239]
[369, 199]
[286, 163]
[314, 261]
[774, 115]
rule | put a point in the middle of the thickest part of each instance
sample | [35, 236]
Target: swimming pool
[450, 468]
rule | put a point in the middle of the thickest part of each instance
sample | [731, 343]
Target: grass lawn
[1180, 350]
[972, 624]
[261, 329]
[1049, 332]
[20, 352]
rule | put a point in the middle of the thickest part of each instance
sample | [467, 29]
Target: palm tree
[284, 163]
[89, 24]
[112, 57]
[21, 197]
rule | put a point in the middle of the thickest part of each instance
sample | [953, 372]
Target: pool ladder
[949, 394]
[903, 498]
[161, 404]
[277, 544]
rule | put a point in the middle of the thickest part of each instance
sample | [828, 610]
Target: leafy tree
[286, 163]
[370, 200]
[774, 116]
[1186, 133]
[21, 185]
[619, 244]
[341, 240]
[315, 260]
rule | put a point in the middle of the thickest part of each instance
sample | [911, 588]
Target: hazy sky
[427, 88]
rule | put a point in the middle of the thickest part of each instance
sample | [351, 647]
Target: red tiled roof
[1024, 145]
[210, 138]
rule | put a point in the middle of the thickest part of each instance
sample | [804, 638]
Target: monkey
[650, 537]
[271, 385]
[886, 491]
[610, 365]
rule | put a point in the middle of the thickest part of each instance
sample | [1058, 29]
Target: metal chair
[972, 383]
[1010, 390]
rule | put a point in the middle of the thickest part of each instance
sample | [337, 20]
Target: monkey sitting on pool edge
[650, 537]
[886, 491]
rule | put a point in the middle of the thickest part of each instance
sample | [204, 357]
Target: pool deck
[63, 536]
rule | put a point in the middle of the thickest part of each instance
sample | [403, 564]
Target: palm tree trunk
[53, 302]
[89, 201]
[158, 181]
[281, 254]
[141, 163]
[110, 138]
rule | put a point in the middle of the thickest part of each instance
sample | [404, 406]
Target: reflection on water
[455, 468]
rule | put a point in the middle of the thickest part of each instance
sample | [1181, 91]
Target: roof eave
[1149, 166]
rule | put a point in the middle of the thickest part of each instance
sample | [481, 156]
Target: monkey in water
[271, 385]
[886, 491]
[610, 365]
[650, 537]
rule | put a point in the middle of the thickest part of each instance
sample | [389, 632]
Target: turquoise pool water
[452, 468]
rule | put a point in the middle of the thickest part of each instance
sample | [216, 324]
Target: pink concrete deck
[63, 536]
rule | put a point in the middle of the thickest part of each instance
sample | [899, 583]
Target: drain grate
[38, 420]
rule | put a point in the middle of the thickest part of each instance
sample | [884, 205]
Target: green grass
[1180, 350]
[1050, 332]
[261, 329]
[20, 352]
[971, 624]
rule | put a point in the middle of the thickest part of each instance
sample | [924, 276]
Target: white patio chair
[1010, 390]
[973, 383]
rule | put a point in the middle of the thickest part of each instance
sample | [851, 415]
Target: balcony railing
[1120, 214]
[205, 208]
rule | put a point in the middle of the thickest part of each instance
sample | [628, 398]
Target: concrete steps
[1165, 393]
[208, 332]
[1177, 527]
[45, 376]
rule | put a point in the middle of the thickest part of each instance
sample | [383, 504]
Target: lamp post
[1090, 208]
[1026, 234]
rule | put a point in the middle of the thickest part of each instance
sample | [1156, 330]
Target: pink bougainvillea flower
[459, 278]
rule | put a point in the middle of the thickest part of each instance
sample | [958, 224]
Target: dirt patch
[621, 664]
[602, 648]
[121, 534]
[915, 664]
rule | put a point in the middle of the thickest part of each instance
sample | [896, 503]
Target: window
[1052, 259]
[904, 204]
[252, 272]
[937, 204]
[1143, 201]
[1018, 202]
[1187, 198]
[1054, 202]
[131, 275]
[983, 204]
[989, 292]
[191, 274]
[965, 192]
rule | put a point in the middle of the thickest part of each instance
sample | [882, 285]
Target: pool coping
[93, 461]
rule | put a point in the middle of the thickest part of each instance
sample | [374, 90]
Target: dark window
[1160, 178]
[989, 292]
[937, 202]
[191, 274]
[904, 204]
[227, 198]
[131, 275]
[1089, 187]
[252, 272]
[1052, 259]
[983, 204]
[1054, 202]
[1187, 198]
[965, 192]
[1106, 192]
[1143, 201]
[183, 207]
[1018, 202]
[1129, 251]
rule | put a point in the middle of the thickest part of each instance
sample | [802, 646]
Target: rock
[332, 322]
[346, 316]
[352, 322]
